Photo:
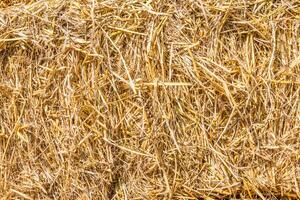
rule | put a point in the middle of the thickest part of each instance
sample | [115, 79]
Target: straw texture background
[149, 99]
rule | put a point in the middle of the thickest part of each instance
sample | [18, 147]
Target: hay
[136, 99]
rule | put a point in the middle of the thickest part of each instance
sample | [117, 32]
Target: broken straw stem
[158, 83]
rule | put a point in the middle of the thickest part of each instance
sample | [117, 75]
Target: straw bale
[149, 99]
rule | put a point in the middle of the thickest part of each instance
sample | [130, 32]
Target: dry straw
[150, 99]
